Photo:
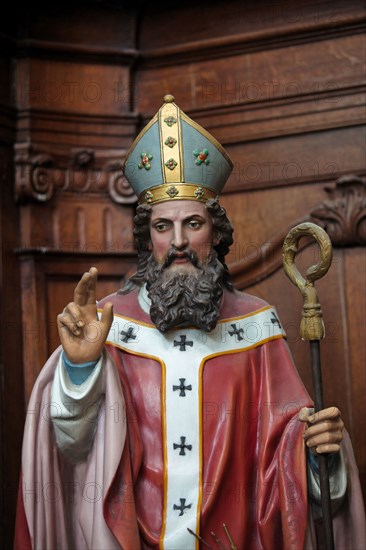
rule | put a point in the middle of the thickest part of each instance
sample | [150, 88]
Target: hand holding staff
[312, 329]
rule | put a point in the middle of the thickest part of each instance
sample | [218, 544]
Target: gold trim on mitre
[171, 157]
[177, 191]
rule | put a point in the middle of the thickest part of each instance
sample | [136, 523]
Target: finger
[91, 289]
[322, 427]
[65, 320]
[324, 414]
[324, 439]
[330, 448]
[106, 318]
[81, 290]
[305, 413]
[74, 311]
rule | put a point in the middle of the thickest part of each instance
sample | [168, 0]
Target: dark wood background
[281, 85]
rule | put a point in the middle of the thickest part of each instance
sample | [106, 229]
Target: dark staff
[312, 329]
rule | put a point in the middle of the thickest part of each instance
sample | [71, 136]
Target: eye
[194, 224]
[161, 226]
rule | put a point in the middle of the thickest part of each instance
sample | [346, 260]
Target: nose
[179, 239]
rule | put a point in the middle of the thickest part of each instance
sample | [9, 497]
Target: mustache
[173, 254]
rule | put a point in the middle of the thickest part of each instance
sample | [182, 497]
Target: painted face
[179, 227]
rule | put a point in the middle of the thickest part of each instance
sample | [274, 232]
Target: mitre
[174, 158]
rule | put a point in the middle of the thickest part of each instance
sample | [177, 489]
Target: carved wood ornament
[342, 216]
[39, 176]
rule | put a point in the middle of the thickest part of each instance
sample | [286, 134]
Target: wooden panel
[11, 367]
[258, 216]
[76, 130]
[310, 157]
[354, 310]
[91, 25]
[73, 87]
[334, 64]
[11, 363]
[250, 19]
[88, 224]
[244, 119]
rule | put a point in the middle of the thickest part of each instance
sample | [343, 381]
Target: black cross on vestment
[182, 387]
[183, 343]
[129, 335]
[182, 506]
[275, 321]
[182, 446]
[237, 332]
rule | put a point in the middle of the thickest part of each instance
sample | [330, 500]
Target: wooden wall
[65, 124]
[11, 360]
[280, 85]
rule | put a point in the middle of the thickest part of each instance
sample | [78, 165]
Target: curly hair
[222, 228]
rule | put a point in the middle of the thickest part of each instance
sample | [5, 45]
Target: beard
[185, 297]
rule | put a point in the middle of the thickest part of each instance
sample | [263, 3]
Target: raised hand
[81, 333]
[324, 429]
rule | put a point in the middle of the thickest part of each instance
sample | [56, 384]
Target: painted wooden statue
[173, 407]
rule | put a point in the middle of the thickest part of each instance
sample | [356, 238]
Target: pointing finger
[91, 294]
[80, 292]
[84, 292]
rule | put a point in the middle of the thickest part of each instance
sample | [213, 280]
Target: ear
[150, 246]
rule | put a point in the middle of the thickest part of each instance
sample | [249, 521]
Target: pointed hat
[174, 158]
